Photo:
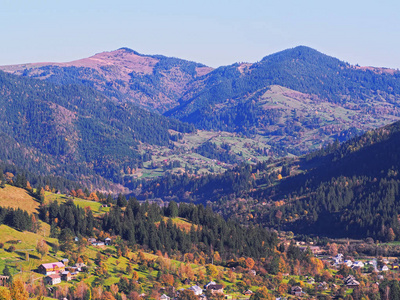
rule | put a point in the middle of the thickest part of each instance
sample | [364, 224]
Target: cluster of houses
[57, 271]
[94, 242]
[211, 286]
[339, 259]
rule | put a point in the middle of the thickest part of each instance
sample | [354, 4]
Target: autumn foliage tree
[249, 263]
[18, 290]
[42, 248]
[5, 294]
[262, 294]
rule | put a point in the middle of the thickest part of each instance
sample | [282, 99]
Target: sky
[214, 33]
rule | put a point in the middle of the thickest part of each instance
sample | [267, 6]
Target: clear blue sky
[218, 32]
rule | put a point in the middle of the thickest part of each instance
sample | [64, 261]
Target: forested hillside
[301, 69]
[297, 99]
[74, 131]
[348, 190]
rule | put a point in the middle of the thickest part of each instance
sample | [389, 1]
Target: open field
[15, 197]
[94, 206]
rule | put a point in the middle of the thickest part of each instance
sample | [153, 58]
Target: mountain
[152, 81]
[298, 99]
[74, 131]
[295, 100]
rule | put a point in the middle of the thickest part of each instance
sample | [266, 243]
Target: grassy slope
[94, 206]
[183, 152]
[16, 197]
[116, 266]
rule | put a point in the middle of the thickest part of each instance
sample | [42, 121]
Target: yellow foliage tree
[5, 294]
[18, 290]
[212, 271]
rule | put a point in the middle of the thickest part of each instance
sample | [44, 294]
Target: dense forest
[74, 131]
[302, 69]
[151, 227]
[347, 190]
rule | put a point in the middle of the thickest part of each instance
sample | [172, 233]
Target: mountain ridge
[123, 74]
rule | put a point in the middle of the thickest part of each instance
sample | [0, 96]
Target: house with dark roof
[66, 276]
[297, 291]
[216, 288]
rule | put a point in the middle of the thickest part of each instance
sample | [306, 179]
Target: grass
[28, 239]
[17, 260]
[15, 197]
[94, 206]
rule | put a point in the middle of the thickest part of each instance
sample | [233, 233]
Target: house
[51, 268]
[297, 291]
[348, 263]
[4, 279]
[164, 297]
[210, 283]
[358, 264]
[351, 282]
[186, 281]
[216, 288]
[349, 278]
[196, 290]
[91, 240]
[66, 276]
[65, 261]
[252, 272]
[80, 266]
[107, 241]
[323, 285]
[395, 266]
[248, 292]
[52, 279]
[338, 257]
[98, 244]
[310, 280]
[385, 268]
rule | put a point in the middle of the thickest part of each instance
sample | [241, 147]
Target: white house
[358, 264]
[348, 263]
[210, 283]
[385, 268]
[164, 297]
[53, 279]
[196, 289]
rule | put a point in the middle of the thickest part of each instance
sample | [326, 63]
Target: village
[347, 275]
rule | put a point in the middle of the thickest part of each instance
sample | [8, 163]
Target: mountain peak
[299, 52]
[129, 50]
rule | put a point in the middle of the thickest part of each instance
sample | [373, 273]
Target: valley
[154, 177]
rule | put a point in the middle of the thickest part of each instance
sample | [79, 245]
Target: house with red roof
[51, 268]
